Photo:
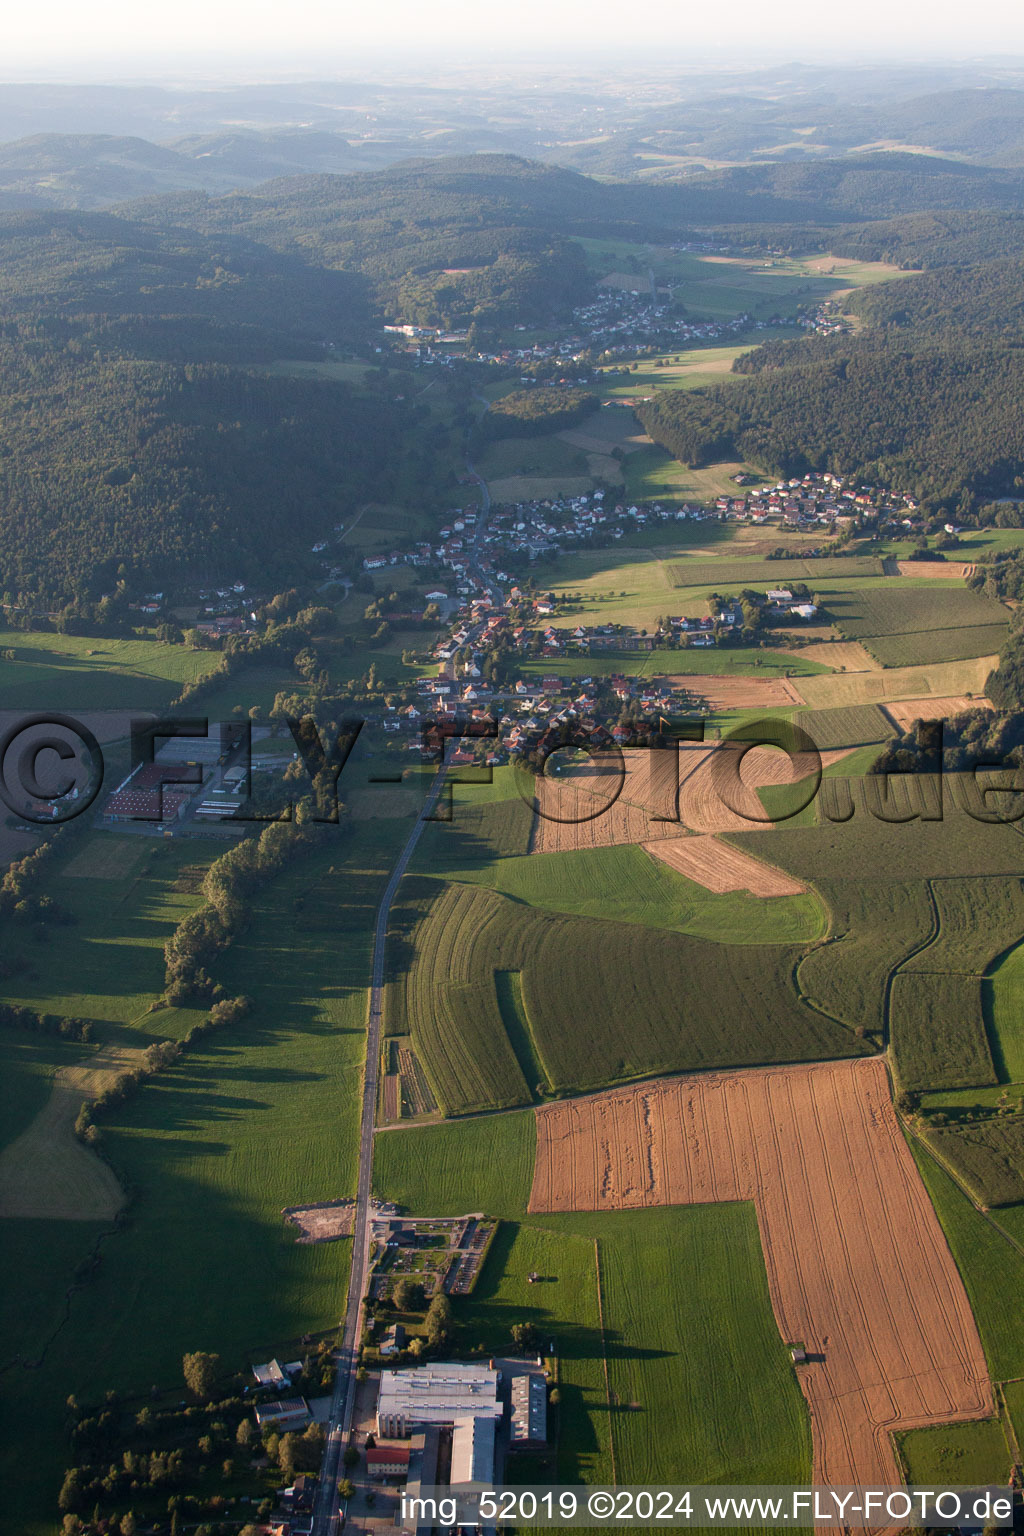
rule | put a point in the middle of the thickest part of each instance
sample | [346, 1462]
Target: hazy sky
[312, 34]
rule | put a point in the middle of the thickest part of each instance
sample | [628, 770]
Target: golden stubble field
[859, 1271]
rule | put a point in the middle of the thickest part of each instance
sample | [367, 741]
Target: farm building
[440, 1393]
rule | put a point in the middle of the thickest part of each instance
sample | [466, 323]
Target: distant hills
[94, 146]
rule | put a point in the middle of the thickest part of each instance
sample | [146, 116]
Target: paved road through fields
[325, 1516]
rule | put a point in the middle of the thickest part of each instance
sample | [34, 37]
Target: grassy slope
[109, 966]
[27, 1065]
[1005, 998]
[627, 885]
[992, 1270]
[75, 672]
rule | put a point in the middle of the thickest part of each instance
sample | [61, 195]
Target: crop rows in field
[978, 920]
[870, 611]
[938, 1032]
[714, 574]
[936, 645]
[987, 1156]
[868, 848]
[875, 926]
[602, 1001]
[853, 726]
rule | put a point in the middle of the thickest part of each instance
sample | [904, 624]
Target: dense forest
[448, 242]
[932, 421]
[926, 398]
[178, 468]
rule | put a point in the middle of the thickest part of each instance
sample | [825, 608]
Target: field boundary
[604, 1359]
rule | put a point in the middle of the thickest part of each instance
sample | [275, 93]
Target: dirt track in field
[725, 693]
[906, 711]
[859, 1270]
[718, 867]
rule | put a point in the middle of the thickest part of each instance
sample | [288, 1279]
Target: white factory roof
[439, 1393]
[473, 1450]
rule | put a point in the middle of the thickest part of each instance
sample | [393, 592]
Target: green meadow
[263, 1115]
[74, 673]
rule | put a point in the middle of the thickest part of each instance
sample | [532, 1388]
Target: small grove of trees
[526, 1338]
[14, 1016]
[200, 1371]
[439, 1322]
[408, 1294]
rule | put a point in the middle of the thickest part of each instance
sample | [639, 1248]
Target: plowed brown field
[906, 711]
[718, 867]
[858, 1267]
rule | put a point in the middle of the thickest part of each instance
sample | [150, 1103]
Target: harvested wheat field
[614, 825]
[940, 678]
[47, 1172]
[906, 711]
[950, 570]
[719, 784]
[637, 798]
[725, 693]
[717, 867]
[840, 655]
[858, 1267]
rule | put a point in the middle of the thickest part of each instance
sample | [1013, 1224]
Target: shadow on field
[489, 1317]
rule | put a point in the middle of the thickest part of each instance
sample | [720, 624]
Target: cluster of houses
[619, 318]
[822, 501]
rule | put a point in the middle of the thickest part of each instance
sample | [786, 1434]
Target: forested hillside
[441, 242]
[984, 299]
[931, 421]
[177, 469]
[479, 238]
[928, 398]
[140, 284]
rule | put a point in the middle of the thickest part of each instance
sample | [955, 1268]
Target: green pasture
[213, 1150]
[74, 672]
[969, 1455]
[628, 885]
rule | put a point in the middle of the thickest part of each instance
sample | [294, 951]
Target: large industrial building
[441, 1393]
